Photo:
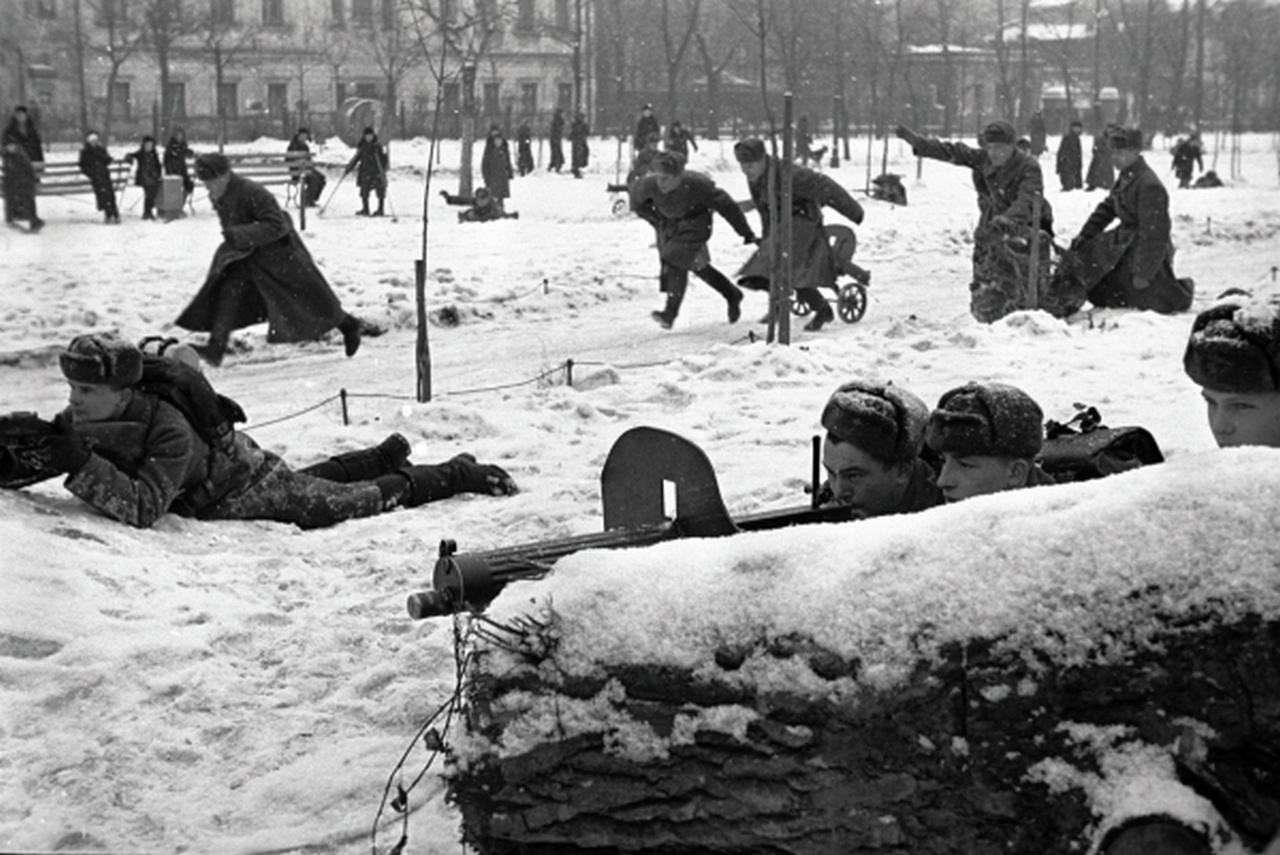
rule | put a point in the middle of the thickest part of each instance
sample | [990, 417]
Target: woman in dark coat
[578, 134]
[95, 164]
[148, 176]
[524, 148]
[23, 160]
[371, 159]
[554, 138]
[261, 272]
[495, 166]
[176, 155]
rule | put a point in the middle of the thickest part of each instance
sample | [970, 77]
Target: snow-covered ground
[244, 686]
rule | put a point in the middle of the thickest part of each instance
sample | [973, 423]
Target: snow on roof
[1042, 32]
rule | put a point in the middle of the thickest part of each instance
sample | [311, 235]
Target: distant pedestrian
[23, 161]
[95, 164]
[524, 148]
[679, 139]
[309, 180]
[261, 272]
[1039, 134]
[1186, 154]
[555, 136]
[495, 166]
[579, 131]
[148, 176]
[176, 155]
[645, 125]
[1070, 158]
[371, 159]
[1101, 174]
[678, 204]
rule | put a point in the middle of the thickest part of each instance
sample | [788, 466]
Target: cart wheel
[799, 307]
[852, 303]
[619, 207]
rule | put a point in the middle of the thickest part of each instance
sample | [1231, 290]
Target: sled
[655, 486]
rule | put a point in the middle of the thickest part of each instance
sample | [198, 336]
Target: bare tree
[712, 71]
[164, 25]
[122, 37]
[675, 45]
[226, 43]
[394, 48]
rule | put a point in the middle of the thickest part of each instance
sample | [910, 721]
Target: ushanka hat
[749, 150]
[667, 163]
[881, 419]
[210, 166]
[999, 131]
[1235, 348]
[103, 359]
[986, 420]
[1125, 138]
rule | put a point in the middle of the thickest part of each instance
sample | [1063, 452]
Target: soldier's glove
[66, 449]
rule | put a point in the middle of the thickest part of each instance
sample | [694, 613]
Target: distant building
[264, 67]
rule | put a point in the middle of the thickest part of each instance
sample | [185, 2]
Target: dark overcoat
[149, 172]
[370, 162]
[812, 263]
[95, 164]
[261, 248]
[1008, 190]
[555, 135]
[1139, 246]
[176, 155]
[20, 169]
[682, 217]
[495, 166]
[1070, 162]
[578, 133]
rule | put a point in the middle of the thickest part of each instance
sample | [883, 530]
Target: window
[388, 14]
[490, 105]
[449, 103]
[46, 9]
[336, 17]
[367, 90]
[362, 13]
[222, 11]
[562, 14]
[524, 15]
[277, 99]
[273, 13]
[121, 100]
[528, 99]
[178, 100]
[564, 96]
[227, 97]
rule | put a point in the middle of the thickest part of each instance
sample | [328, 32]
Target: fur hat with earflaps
[1235, 348]
[210, 166]
[986, 420]
[883, 420]
[103, 359]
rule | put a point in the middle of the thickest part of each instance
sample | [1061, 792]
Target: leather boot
[822, 314]
[674, 283]
[731, 293]
[461, 474]
[350, 329]
[366, 464]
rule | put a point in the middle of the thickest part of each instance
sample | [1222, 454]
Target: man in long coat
[1009, 185]
[371, 161]
[555, 138]
[1071, 158]
[95, 164]
[495, 166]
[23, 160]
[812, 264]
[261, 272]
[1131, 265]
[678, 204]
[579, 131]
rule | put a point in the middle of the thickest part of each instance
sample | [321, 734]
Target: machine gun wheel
[852, 303]
[799, 307]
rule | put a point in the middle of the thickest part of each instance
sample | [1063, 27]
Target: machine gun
[22, 456]
[644, 468]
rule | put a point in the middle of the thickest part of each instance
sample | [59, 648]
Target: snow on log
[1015, 673]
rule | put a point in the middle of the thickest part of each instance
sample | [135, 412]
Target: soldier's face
[1122, 158]
[1243, 419]
[963, 477]
[861, 482]
[95, 402]
[753, 169]
[217, 186]
[667, 182]
[999, 152]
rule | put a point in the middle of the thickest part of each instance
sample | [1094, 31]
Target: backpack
[1083, 448]
[211, 415]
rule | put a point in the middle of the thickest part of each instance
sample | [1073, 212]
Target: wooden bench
[64, 178]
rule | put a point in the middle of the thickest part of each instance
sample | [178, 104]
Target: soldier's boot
[381, 201]
[364, 205]
[350, 329]
[411, 486]
[822, 311]
[667, 317]
[732, 293]
[365, 464]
